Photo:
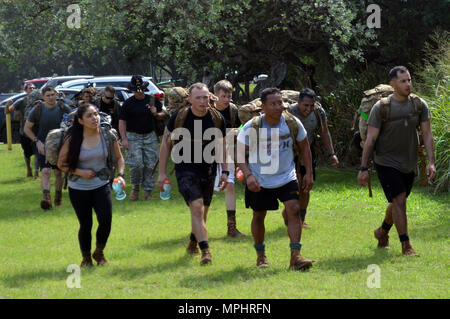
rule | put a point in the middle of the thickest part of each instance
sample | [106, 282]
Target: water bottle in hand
[167, 187]
[117, 187]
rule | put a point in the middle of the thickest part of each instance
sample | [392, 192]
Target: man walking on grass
[274, 135]
[45, 117]
[314, 121]
[20, 107]
[392, 132]
[194, 172]
[224, 90]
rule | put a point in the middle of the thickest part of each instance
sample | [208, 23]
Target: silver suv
[115, 81]
[57, 80]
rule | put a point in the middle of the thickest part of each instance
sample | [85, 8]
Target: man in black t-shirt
[224, 90]
[107, 103]
[136, 125]
[195, 161]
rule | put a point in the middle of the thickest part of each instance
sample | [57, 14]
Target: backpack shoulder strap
[385, 108]
[293, 130]
[37, 115]
[181, 117]
[417, 102]
[217, 119]
[109, 136]
[317, 110]
[233, 114]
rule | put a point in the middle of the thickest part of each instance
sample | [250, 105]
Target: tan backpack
[368, 101]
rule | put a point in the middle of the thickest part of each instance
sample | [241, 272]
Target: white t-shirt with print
[272, 163]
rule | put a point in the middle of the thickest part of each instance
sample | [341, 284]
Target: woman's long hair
[75, 136]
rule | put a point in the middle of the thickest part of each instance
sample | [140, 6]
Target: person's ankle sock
[203, 245]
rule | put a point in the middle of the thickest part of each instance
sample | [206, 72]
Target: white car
[115, 81]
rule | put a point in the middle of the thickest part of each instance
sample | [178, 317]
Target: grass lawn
[146, 249]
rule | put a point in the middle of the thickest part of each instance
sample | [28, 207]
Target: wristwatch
[363, 168]
[121, 175]
[35, 140]
[226, 172]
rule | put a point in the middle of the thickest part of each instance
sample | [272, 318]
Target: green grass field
[146, 249]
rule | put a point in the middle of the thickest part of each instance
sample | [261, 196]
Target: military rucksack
[34, 97]
[56, 137]
[253, 108]
[177, 99]
[368, 101]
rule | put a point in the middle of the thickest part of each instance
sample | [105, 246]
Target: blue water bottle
[117, 187]
[167, 187]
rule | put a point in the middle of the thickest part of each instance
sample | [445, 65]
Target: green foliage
[343, 101]
[434, 85]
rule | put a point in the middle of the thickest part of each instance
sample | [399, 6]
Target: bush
[434, 86]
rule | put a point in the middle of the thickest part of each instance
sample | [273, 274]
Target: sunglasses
[108, 97]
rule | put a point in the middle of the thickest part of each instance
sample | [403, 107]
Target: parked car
[116, 81]
[57, 80]
[4, 96]
[14, 124]
[38, 83]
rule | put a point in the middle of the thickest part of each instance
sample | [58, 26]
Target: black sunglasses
[108, 98]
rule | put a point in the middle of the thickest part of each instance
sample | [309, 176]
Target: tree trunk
[277, 75]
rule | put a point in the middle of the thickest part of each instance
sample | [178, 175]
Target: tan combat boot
[192, 248]
[407, 249]
[261, 260]
[46, 202]
[298, 262]
[134, 193]
[383, 238]
[148, 195]
[232, 230]
[206, 257]
[58, 198]
[86, 262]
[99, 257]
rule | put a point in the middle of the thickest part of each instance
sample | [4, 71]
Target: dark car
[4, 96]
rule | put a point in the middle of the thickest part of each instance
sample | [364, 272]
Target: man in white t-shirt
[270, 172]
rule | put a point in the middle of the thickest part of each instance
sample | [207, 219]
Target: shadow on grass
[16, 180]
[131, 273]
[22, 279]
[183, 241]
[355, 263]
[430, 232]
[227, 277]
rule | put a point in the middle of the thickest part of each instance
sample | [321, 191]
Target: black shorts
[267, 198]
[394, 182]
[193, 185]
[42, 160]
[27, 146]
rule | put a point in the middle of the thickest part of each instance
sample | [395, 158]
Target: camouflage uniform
[142, 156]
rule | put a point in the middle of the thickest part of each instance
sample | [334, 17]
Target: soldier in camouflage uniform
[136, 125]
[20, 106]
